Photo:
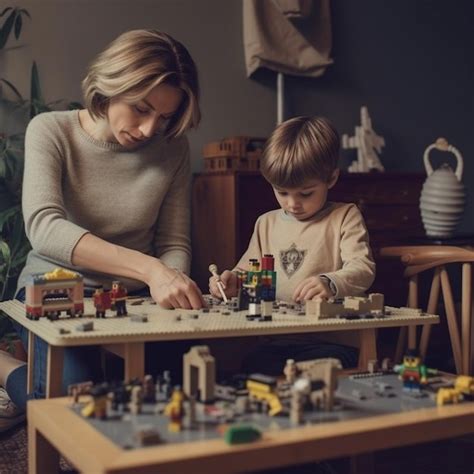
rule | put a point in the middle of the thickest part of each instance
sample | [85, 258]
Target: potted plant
[14, 245]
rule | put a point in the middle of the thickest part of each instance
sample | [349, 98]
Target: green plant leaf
[35, 92]
[5, 257]
[25, 12]
[7, 28]
[7, 214]
[16, 234]
[19, 259]
[16, 141]
[14, 170]
[18, 25]
[13, 88]
[5, 11]
[5, 253]
[3, 167]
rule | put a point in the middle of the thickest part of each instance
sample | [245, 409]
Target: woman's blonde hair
[136, 62]
[299, 149]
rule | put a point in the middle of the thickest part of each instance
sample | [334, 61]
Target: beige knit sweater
[334, 243]
[74, 184]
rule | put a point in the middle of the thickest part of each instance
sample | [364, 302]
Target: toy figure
[213, 270]
[166, 383]
[148, 386]
[136, 400]
[367, 143]
[175, 410]
[102, 302]
[413, 373]
[290, 371]
[97, 407]
[118, 296]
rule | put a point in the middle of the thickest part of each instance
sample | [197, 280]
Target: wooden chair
[418, 259]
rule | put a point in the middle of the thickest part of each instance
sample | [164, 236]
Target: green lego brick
[242, 434]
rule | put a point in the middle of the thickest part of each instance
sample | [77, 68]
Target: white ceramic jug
[443, 195]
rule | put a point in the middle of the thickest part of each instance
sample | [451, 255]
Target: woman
[106, 189]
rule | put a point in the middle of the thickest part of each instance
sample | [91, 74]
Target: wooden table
[127, 338]
[53, 429]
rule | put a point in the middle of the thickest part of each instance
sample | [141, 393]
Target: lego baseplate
[359, 396]
[218, 321]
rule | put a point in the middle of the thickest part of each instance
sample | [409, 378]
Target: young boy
[321, 248]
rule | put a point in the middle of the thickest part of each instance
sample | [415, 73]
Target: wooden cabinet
[226, 206]
[388, 202]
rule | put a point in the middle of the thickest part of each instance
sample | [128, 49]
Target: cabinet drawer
[397, 218]
[377, 188]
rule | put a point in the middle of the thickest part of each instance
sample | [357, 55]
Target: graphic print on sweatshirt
[291, 259]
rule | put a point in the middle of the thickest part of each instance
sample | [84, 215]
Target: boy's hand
[228, 280]
[312, 288]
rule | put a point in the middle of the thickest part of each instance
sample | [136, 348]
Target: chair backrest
[417, 259]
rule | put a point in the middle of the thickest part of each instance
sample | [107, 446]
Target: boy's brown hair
[299, 149]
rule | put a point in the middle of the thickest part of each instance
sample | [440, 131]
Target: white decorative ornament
[443, 194]
[367, 143]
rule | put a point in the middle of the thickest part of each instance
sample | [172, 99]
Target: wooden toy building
[233, 154]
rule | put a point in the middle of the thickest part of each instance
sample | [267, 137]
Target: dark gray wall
[64, 36]
[409, 61]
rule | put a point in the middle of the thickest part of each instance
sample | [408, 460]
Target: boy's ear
[334, 178]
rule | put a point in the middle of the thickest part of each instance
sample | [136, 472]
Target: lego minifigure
[97, 407]
[166, 384]
[175, 410]
[148, 389]
[290, 371]
[136, 400]
[118, 296]
[257, 289]
[102, 302]
[413, 373]
[299, 394]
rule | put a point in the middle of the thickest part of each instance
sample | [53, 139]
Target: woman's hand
[229, 284]
[171, 288]
[312, 288]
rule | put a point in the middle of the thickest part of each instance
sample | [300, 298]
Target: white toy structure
[199, 373]
[354, 305]
[367, 143]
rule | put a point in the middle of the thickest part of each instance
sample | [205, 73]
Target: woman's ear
[334, 178]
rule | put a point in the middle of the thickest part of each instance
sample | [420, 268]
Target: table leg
[31, 362]
[452, 321]
[54, 371]
[134, 359]
[363, 463]
[42, 456]
[432, 306]
[368, 347]
[412, 303]
[466, 316]
[400, 349]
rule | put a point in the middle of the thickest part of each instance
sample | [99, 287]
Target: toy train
[48, 294]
